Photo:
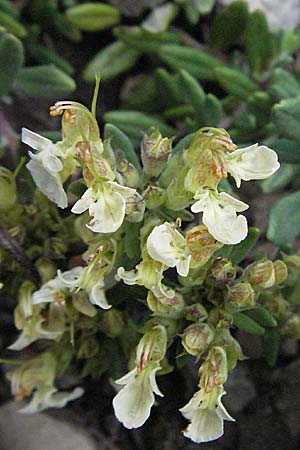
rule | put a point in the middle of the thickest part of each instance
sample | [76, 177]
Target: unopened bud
[155, 152]
[219, 318]
[201, 245]
[197, 338]
[262, 274]
[112, 323]
[280, 271]
[46, 269]
[164, 306]
[293, 267]
[292, 327]
[222, 271]
[241, 296]
[195, 312]
[129, 173]
[135, 208]
[152, 346]
[154, 197]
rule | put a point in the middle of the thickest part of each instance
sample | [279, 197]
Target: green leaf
[111, 61]
[235, 82]
[284, 84]
[241, 250]
[44, 81]
[11, 60]
[143, 40]
[280, 179]
[167, 87]
[245, 323]
[160, 18]
[258, 41]
[93, 16]
[12, 25]
[193, 92]
[288, 151]
[119, 140]
[45, 56]
[284, 221]
[132, 240]
[212, 111]
[271, 345]
[293, 294]
[228, 26]
[196, 62]
[134, 123]
[287, 118]
[262, 316]
[9, 8]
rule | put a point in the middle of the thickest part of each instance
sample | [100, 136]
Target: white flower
[45, 167]
[166, 245]
[49, 397]
[148, 274]
[256, 162]
[219, 215]
[107, 206]
[132, 405]
[206, 414]
[81, 278]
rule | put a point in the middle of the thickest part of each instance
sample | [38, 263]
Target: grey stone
[40, 432]
[134, 8]
[240, 390]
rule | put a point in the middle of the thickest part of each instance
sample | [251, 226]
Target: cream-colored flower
[106, 205]
[166, 245]
[219, 216]
[206, 414]
[256, 162]
[45, 166]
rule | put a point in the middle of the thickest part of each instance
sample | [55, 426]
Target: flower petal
[70, 278]
[98, 297]
[34, 140]
[50, 397]
[252, 163]
[205, 426]
[107, 212]
[84, 202]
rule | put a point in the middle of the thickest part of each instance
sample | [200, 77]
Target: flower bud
[152, 347]
[129, 173]
[281, 272]
[219, 318]
[197, 338]
[291, 327]
[154, 197]
[195, 313]
[240, 296]
[155, 152]
[201, 245]
[164, 306]
[262, 274]
[293, 267]
[222, 271]
[135, 208]
[112, 323]
[8, 190]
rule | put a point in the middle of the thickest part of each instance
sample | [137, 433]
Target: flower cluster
[134, 231]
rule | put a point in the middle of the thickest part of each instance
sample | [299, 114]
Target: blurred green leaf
[11, 60]
[212, 111]
[132, 240]
[110, 61]
[167, 87]
[284, 84]
[271, 345]
[262, 316]
[93, 16]
[196, 62]
[193, 92]
[258, 41]
[143, 40]
[228, 26]
[45, 56]
[9, 8]
[160, 18]
[12, 25]
[44, 81]
[288, 151]
[280, 179]
[245, 323]
[235, 82]
[284, 221]
[287, 118]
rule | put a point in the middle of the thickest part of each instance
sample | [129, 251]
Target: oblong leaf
[119, 140]
[284, 221]
[245, 323]
[11, 60]
[93, 16]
